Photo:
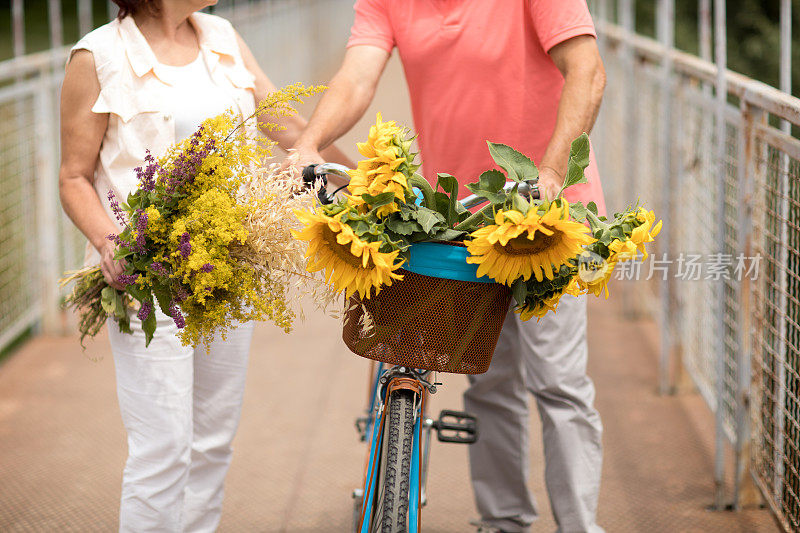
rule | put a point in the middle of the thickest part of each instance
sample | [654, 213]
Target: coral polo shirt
[478, 70]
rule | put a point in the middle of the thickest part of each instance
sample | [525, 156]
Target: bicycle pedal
[456, 426]
[361, 427]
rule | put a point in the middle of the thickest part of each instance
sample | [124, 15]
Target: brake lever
[310, 178]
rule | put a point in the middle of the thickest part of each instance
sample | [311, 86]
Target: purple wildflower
[113, 237]
[181, 294]
[185, 246]
[127, 279]
[176, 315]
[187, 162]
[144, 311]
[147, 174]
[112, 198]
[159, 269]
[208, 267]
[141, 227]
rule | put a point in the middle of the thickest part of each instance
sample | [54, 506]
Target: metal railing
[37, 242]
[705, 147]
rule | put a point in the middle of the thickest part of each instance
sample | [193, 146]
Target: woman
[145, 81]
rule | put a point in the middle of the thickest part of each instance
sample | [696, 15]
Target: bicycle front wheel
[391, 514]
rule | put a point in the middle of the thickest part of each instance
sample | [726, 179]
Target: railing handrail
[754, 92]
[34, 62]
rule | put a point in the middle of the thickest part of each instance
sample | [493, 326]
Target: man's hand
[550, 183]
[301, 156]
[110, 267]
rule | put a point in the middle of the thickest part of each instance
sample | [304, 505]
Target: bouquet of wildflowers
[207, 235]
[540, 248]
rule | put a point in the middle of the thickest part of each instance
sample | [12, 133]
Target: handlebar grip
[309, 176]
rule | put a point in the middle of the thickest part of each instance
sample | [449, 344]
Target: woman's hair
[131, 7]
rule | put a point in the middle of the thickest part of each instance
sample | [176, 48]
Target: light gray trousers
[547, 359]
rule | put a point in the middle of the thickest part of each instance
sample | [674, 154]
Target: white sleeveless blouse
[149, 104]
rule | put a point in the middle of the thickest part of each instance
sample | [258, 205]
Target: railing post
[666, 27]
[85, 17]
[47, 209]
[720, 54]
[54, 23]
[783, 259]
[18, 27]
[745, 492]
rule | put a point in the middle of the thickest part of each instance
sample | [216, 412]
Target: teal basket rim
[441, 260]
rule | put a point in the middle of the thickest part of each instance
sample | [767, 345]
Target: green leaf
[517, 165]
[428, 218]
[490, 186]
[520, 290]
[119, 306]
[108, 299]
[137, 293]
[442, 202]
[591, 206]
[519, 203]
[133, 201]
[578, 211]
[448, 234]
[384, 198]
[578, 161]
[360, 227]
[124, 325]
[617, 233]
[163, 296]
[449, 184]
[402, 227]
[149, 327]
[492, 181]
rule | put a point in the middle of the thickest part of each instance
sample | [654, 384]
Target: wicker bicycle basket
[429, 322]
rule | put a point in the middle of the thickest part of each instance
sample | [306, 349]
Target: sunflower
[622, 250]
[643, 233]
[351, 263]
[594, 273]
[380, 172]
[518, 245]
[539, 309]
[374, 179]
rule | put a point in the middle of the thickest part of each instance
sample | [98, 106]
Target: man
[526, 73]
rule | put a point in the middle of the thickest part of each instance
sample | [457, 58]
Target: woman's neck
[170, 34]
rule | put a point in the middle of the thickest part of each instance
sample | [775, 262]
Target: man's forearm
[577, 112]
[342, 105]
[348, 95]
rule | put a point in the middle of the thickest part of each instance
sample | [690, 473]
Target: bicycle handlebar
[315, 172]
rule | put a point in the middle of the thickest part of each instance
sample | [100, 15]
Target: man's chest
[476, 33]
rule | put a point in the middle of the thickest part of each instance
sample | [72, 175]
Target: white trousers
[548, 360]
[180, 407]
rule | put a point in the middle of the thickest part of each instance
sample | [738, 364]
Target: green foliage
[517, 165]
[753, 31]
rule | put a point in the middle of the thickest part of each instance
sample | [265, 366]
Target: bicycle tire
[391, 513]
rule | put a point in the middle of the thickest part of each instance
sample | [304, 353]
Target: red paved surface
[297, 456]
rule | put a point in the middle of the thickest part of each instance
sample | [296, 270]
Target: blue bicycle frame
[374, 435]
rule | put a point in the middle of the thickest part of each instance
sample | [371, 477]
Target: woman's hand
[111, 268]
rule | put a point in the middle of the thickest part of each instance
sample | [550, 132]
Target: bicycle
[396, 424]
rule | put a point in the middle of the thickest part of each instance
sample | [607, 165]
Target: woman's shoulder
[214, 24]
[100, 38]
[103, 42]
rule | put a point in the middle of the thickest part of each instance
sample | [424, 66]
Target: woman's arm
[82, 132]
[294, 124]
